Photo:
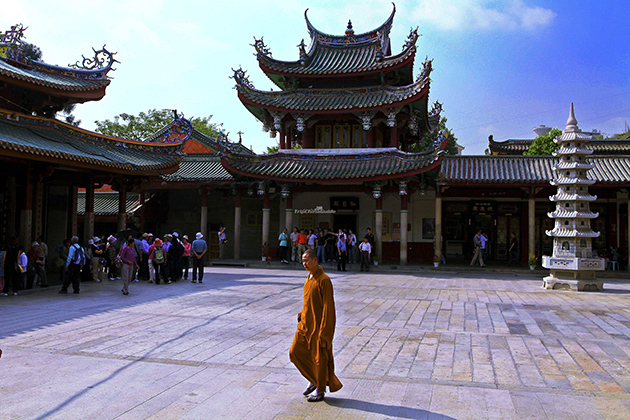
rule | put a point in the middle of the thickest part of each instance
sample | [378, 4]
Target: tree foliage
[544, 145]
[141, 126]
[428, 139]
[31, 51]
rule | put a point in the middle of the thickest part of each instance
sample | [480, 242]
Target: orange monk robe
[312, 351]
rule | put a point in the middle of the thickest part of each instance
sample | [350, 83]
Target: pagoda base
[573, 280]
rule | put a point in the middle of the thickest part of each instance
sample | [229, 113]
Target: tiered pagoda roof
[350, 76]
[334, 165]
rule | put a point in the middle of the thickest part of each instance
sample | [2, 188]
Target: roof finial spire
[349, 30]
[572, 124]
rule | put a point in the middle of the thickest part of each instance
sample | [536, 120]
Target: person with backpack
[74, 262]
[158, 259]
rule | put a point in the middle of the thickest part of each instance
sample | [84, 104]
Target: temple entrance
[344, 221]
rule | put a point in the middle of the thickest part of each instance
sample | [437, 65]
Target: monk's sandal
[309, 390]
[319, 396]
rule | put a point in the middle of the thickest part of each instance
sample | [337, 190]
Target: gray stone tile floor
[421, 344]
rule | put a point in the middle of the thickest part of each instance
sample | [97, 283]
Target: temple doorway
[344, 221]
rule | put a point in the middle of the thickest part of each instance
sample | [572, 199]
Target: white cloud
[453, 15]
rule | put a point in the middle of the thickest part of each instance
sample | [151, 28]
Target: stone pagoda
[573, 263]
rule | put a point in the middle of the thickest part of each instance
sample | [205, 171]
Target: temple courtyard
[410, 344]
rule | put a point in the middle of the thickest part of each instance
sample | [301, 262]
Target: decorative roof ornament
[379, 50]
[427, 68]
[261, 48]
[412, 38]
[349, 30]
[302, 47]
[241, 78]
[178, 131]
[103, 59]
[573, 263]
[14, 35]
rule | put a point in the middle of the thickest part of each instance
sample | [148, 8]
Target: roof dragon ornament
[427, 68]
[13, 35]
[412, 38]
[261, 48]
[103, 59]
[241, 78]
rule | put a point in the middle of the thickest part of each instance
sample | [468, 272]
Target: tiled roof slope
[534, 170]
[200, 168]
[46, 139]
[333, 166]
[349, 100]
[106, 204]
[599, 146]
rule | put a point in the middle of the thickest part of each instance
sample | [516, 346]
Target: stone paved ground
[423, 345]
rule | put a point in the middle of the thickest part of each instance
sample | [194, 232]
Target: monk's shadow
[393, 411]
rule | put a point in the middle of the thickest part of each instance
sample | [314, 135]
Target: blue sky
[500, 67]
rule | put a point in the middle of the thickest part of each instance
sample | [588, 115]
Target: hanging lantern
[272, 134]
[367, 121]
[285, 191]
[422, 191]
[265, 128]
[277, 122]
[391, 119]
[261, 188]
[376, 192]
[300, 125]
[402, 188]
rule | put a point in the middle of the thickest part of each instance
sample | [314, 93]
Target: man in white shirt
[366, 252]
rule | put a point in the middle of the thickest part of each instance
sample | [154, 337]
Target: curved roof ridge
[316, 34]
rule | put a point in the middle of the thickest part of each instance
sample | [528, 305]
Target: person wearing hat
[97, 256]
[199, 248]
[35, 267]
[186, 255]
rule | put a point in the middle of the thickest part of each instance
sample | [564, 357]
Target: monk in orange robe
[311, 351]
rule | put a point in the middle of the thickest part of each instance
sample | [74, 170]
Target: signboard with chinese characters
[387, 225]
[344, 203]
[308, 221]
[482, 207]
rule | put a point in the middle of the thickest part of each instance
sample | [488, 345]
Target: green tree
[544, 145]
[428, 139]
[141, 126]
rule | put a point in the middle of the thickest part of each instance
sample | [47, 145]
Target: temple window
[565, 246]
[323, 134]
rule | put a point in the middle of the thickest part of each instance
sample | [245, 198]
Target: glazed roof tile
[352, 99]
[200, 168]
[334, 165]
[334, 59]
[48, 139]
[106, 204]
[535, 170]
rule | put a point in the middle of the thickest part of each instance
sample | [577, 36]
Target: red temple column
[26, 214]
[266, 218]
[393, 137]
[370, 137]
[307, 138]
[88, 217]
[203, 222]
[282, 135]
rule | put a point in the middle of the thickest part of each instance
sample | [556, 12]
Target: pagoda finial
[349, 30]
[572, 124]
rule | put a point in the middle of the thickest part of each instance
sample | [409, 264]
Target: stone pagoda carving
[573, 263]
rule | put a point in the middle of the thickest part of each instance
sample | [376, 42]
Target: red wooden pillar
[88, 217]
[26, 216]
[393, 137]
[237, 225]
[122, 207]
[282, 135]
[370, 137]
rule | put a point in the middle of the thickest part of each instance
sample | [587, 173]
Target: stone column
[74, 224]
[39, 209]
[288, 214]
[203, 223]
[378, 228]
[26, 214]
[266, 218]
[531, 249]
[438, 223]
[122, 207]
[237, 225]
[403, 229]
[88, 219]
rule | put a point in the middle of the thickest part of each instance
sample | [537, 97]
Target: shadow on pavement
[385, 410]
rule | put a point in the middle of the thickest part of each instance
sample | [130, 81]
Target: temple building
[46, 161]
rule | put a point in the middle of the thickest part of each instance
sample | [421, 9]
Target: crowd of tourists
[341, 247]
[142, 257]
